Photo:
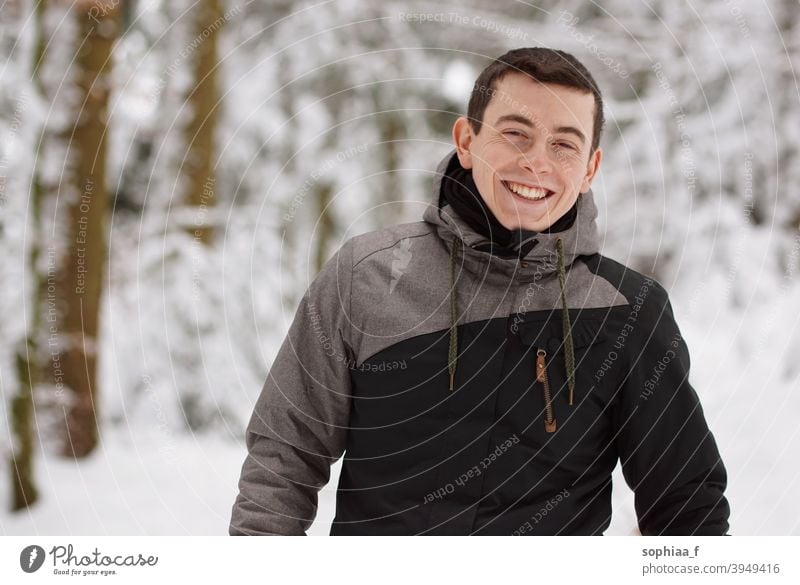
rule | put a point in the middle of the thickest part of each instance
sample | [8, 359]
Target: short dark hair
[543, 65]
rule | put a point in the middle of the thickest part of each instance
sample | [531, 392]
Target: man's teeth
[528, 192]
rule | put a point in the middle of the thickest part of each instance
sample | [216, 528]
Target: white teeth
[527, 192]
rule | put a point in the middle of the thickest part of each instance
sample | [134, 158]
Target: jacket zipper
[541, 376]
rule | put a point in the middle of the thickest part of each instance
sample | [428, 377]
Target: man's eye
[568, 145]
[515, 133]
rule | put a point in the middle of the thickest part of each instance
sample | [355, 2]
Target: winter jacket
[472, 393]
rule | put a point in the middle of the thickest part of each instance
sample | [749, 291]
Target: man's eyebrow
[571, 130]
[526, 122]
[514, 118]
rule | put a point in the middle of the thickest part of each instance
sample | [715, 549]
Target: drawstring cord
[453, 353]
[566, 326]
[569, 349]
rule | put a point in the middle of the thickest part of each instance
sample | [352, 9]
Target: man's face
[531, 158]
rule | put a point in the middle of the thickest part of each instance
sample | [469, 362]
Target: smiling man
[484, 370]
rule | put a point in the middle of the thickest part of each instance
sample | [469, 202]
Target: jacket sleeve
[299, 424]
[669, 457]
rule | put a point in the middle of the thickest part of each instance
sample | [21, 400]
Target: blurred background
[174, 173]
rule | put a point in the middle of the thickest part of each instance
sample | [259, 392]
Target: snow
[132, 485]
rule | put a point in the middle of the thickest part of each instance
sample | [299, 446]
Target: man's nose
[536, 159]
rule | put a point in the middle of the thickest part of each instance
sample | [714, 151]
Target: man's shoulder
[370, 243]
[631, 284]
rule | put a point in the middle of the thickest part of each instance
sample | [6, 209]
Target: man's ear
[462, 138]
[591, 169]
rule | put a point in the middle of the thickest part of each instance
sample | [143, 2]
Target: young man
[484, 370]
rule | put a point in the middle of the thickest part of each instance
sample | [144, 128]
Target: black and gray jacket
[473, 393]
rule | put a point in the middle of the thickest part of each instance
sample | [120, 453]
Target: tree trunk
[198, 167]
[80, 275]
[28, 363]
[23, 489]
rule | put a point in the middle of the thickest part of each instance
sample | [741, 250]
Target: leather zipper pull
[541, 373]
[541, 376]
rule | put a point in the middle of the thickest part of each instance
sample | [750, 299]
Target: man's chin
[538, 225]
[513, 220]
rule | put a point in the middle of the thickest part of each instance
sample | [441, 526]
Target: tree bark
[198, 167]
[24, 492]
[80, 275]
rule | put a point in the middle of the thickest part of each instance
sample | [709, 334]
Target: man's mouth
[526, 192]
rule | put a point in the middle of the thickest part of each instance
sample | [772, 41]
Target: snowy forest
[174, 173]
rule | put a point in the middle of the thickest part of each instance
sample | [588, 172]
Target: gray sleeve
[299, 423]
